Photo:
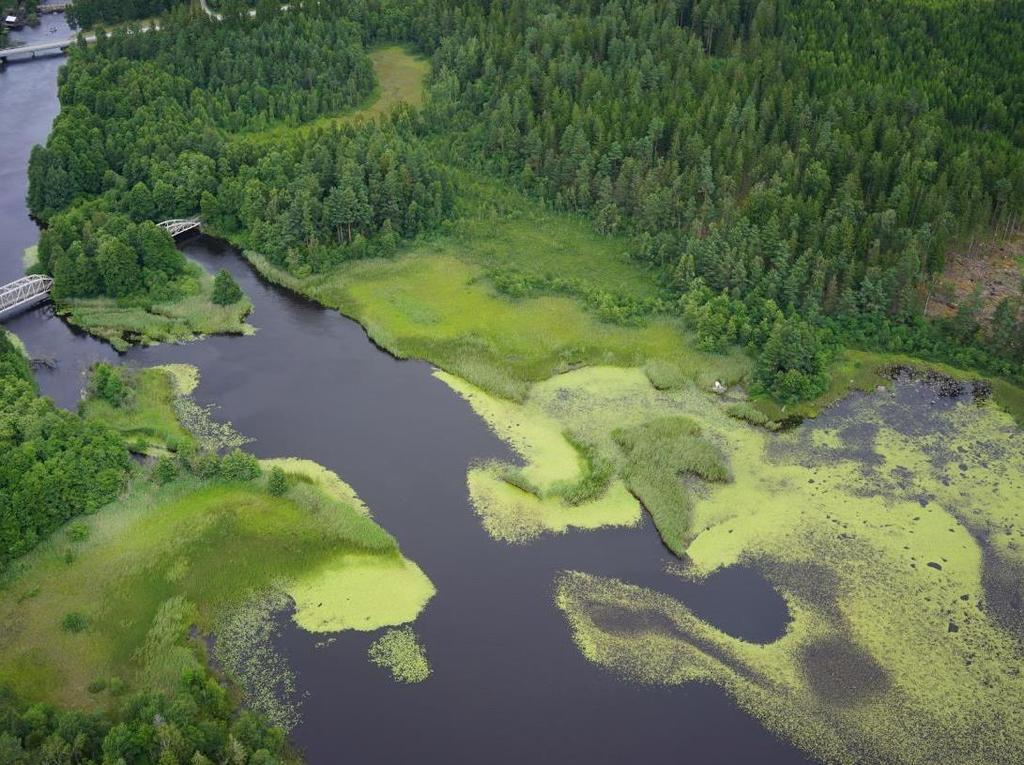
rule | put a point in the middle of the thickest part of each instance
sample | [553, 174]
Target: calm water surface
[508, 686]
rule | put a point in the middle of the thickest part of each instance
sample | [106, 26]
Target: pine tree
[791, 365]
[225, 289]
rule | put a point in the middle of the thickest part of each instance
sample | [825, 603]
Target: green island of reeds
[190, 314]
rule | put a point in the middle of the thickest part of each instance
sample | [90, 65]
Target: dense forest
[55, 465]
[95, 253]
[152, 132]
[198, 725]
[87, 13]
[134, 104]
[804, 164]
[820, 157]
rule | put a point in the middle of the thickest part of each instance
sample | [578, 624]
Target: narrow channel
[508, 684]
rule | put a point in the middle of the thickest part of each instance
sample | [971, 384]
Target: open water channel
[508, 684]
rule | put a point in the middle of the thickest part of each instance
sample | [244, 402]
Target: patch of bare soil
[997, 267]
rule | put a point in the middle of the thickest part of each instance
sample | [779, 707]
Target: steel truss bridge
[30, 291]
[177, 226]
[24, 293]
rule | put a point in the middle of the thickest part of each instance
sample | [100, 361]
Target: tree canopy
[55, 465]
[784, 157]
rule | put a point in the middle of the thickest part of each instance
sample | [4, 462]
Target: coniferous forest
[773, 158]
[652, 245]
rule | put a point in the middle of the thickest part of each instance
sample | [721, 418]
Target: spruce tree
[225, 289]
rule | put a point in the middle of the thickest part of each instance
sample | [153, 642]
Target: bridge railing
[24, 292]
[177, 226]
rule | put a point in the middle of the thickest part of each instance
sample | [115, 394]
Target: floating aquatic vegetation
[400, 652]
[582, 423]
[362, 592]
[210, 434]
[198, 420]
[891, 525]
[511, 514]
[184, 376]
[519, 504]
[245, 648]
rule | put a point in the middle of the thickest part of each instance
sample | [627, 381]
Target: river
[509, 686]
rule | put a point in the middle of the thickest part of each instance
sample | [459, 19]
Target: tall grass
[147, 420]
[122, 322]
[655, 457]
[598, 472]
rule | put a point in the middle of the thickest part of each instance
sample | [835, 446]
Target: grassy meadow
[124, 323]
[147, 421]
[436, 300]
[400, 75]
[107, 604]
[114, 601]
[208, 545]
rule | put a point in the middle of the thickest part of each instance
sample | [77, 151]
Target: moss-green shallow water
[892, 527]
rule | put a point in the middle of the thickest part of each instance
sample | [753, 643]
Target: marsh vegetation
[111, 611]
[643, 242]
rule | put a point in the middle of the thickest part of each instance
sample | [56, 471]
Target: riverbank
[123, 323]
[112, 603]
[439, 299]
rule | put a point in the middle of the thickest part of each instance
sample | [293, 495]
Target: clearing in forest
[400, 80]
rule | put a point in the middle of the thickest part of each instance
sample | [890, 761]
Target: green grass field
[108, 601]
[147, 421]
[192, 316]
[112, 601]
[499, 228]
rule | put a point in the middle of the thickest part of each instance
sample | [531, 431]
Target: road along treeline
[88, 13]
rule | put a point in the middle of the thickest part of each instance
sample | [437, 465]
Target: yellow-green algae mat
[892, 527]
[536, 433]
[353, 591]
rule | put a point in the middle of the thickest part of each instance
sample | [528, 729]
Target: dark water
[28, 105]
[508, 683]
